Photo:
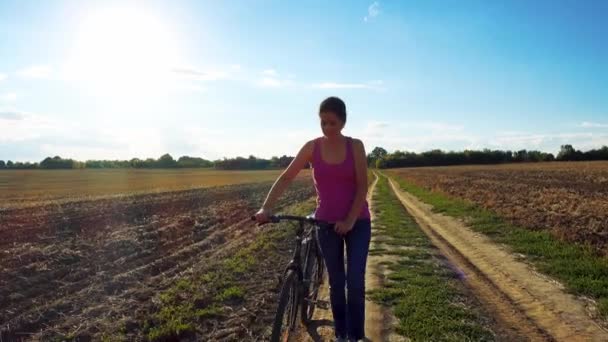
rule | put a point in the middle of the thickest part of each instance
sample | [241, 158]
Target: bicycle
[302, 277]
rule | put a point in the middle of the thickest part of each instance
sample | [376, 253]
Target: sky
[214, 79]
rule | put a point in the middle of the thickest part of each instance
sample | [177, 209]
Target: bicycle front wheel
[313, 278]
[287, 312]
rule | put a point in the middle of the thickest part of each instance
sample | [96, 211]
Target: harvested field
[35, 187]
[568, 199]
[95, 268]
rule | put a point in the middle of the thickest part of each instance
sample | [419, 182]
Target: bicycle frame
[295, 270]
[296, 260]
[302, 235]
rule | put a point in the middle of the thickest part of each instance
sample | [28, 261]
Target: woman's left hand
[343, 227]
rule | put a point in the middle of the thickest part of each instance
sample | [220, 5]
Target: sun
[123, 50]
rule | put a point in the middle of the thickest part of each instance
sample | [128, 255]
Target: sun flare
[123, 49]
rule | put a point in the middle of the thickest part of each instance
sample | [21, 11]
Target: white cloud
[417, 136]
[195, 88]
[267, 78]
[212, 74]
[372, 11]
[2, 76]
[420, 136]
[211, 143]
[375, 85]
[232, 72]
[105, 141]
[35, 71]
[47, 135]
[434, 126]
[272, 79]
[334, 85]
[587, 124]
[423, 131]
[19, 126]
[270, 72]
[7, 114]
[143, 142]
[375, 129]
[188, 88]
[549, 142]
[8, 97]
[270, 82]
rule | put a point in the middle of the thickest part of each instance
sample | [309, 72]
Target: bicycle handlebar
[278, 218]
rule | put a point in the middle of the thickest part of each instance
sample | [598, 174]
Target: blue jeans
[349, 313]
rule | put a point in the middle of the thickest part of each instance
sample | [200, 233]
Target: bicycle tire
[313, 270]
[287, 309]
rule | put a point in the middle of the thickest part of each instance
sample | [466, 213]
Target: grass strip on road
[425, 295]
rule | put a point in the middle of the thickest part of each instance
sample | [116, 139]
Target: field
[113, 266]
[567, 199]
[161, 255]
[33, 187]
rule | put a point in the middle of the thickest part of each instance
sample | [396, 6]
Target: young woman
[340, 177]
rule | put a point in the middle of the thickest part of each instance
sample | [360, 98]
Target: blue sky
[89, 80]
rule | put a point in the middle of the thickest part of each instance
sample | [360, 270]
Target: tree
[136, 163]
[2, 164]
[186, 161]
[57, 163]
[284, 161]
[601, 154]
[166, 161]
[567, 153]
[375, 154]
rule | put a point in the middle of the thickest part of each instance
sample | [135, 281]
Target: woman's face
[330, 124]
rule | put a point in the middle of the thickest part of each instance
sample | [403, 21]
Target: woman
[340, 177]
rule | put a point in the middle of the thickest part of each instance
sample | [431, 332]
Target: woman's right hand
[262, 216]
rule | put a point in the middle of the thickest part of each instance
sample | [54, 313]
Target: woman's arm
[279, 186]
[361, 176]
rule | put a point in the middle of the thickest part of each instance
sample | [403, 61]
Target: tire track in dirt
[531, 303]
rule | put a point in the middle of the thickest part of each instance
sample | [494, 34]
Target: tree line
[378, 158]
[165, 161]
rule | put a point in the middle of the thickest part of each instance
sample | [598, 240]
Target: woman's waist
[339, 207]
[334, 214]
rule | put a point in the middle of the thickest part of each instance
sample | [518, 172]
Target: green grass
[230, 293]
[190, 301]
[581, 270]
[423, 293]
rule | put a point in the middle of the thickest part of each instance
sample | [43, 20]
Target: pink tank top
[336, 185]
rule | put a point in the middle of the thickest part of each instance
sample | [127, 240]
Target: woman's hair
[334, 105]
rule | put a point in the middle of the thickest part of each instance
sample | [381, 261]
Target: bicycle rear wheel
[287, 311]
